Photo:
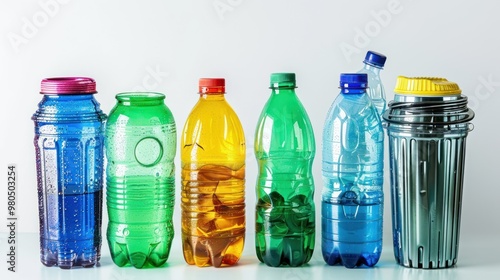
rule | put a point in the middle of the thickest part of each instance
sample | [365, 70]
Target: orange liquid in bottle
[213, 180]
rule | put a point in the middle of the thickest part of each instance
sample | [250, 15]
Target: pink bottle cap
[68, 85]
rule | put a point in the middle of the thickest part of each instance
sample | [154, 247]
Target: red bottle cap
[212, 85]
[68, 85]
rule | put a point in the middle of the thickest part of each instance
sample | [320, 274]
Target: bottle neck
[372, 68]
[83, 96]
[140, 99]
[212, 96]
[283, 90]
[60, 108]
[352, 90]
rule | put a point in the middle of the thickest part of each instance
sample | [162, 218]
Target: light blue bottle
[373, 63]
[352, 168]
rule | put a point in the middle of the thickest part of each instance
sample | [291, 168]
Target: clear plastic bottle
[213, 180]
[373, 63]
[140, 147]
[352, 167]
[284, 148]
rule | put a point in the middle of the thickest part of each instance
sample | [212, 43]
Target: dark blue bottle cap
[353, 81]
[375, 59]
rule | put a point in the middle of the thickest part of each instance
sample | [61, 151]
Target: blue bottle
[373, 63]
[352, 168]
[69, 159]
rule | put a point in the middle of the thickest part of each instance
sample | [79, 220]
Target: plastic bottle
[213, 180]
[140, 148]
[284, 148]
[352, 167]
[69, 141]
[373, 63]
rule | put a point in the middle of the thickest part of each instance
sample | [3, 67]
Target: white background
[166, 46]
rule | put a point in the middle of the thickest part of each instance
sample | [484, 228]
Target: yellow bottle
[213, 180]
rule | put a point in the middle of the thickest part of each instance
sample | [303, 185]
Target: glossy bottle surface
[69, 140]
[352, 167]
[373, 63]
[284, 148]
[427, 127]
[213, 181]
[140, 149]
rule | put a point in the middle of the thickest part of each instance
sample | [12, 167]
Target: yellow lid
[432, 86]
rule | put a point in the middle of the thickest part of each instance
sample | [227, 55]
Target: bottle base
[294, 251]
[212, 251]
[67, 260]
[139, 256]
[353, 254]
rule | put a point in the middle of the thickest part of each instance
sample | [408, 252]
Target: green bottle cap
[282, 80]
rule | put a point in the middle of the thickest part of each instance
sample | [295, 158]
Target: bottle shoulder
[284, 128]
[354, 110]
[68, 108]
[213, 113]
[140, 115]
[214, 120]
[288, 109]
[213, 134]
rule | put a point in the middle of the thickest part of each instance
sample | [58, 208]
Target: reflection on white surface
[425, 274]
[477, 260]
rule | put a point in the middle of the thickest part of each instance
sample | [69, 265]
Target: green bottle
[140, 149]
[284, 148]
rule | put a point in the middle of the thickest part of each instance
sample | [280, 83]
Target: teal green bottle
[140, 149]
[284, 148]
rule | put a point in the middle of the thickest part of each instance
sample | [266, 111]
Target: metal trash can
[427, 124]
